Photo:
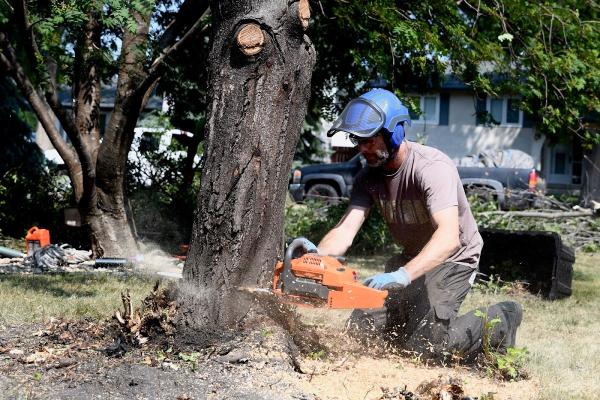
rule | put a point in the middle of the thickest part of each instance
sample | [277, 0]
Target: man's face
[374, 150]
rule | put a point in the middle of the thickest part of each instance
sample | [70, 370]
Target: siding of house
[461, 136]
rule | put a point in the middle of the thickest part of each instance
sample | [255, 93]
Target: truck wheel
[323, 192]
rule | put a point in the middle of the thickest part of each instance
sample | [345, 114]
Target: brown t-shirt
[426, 183]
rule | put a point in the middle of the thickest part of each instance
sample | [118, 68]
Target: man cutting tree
[421, 198]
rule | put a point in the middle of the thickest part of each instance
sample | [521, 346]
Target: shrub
[313, 220]
[32, 191]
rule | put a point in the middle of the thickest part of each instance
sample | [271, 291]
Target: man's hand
[398, 279]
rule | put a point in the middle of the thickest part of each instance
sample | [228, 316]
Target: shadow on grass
[58, 285]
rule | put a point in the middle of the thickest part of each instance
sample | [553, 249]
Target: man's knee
[430, 339]
[510, 314]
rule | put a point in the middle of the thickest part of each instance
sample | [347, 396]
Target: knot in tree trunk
[250, 39]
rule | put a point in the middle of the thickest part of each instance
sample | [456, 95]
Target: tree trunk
[260, 68]
[591, 177]
[96, 168]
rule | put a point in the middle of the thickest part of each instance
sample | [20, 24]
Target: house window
[496, 108]
[429, 109]
[504, 111]
[513, 114]
[560, 163]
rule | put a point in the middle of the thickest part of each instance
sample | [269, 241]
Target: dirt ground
[70, 360]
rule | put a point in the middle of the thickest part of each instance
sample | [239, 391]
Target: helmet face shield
[360, 118]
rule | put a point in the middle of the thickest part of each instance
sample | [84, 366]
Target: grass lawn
[36, 298]
[561, 335]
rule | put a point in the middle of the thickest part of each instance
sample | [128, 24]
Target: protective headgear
[366, 115]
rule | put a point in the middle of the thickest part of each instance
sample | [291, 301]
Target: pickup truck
[333, 182]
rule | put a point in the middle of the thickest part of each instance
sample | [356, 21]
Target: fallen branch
[539, 214]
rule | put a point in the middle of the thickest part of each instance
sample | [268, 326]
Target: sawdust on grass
[354, 371]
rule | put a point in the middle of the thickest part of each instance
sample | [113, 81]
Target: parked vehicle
[333, 182]
[329, 182]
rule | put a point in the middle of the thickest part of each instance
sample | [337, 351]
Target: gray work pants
[423, 317]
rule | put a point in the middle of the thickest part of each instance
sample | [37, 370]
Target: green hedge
[313, 220]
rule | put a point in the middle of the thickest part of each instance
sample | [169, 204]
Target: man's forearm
[440, 247]
[334, 243]
[337, 241]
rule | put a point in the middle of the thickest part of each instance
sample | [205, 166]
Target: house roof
[447, 82]
[452, 82]
[107, 98]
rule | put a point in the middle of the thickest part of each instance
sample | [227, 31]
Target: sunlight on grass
[560, 335]
[36, 298]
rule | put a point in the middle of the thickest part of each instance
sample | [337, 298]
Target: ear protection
[397, 136]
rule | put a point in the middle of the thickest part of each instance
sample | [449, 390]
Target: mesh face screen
[360, 118]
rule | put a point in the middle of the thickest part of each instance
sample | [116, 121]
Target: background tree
[26, 178]
[83, 44]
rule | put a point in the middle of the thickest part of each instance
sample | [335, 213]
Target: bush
[313, 220]
[32, 192]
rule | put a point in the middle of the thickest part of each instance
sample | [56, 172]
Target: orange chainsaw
[307, 278]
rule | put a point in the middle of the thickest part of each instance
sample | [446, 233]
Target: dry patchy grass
[560, 335]
[36, 298]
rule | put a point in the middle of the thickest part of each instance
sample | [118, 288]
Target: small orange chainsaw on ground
[307, 278]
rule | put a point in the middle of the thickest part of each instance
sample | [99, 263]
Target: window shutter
[527, 120]
[480, 110]
[444, 108]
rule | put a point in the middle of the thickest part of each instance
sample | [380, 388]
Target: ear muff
[397, 136]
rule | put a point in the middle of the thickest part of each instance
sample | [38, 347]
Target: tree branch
[157, 67]
[68, 124]
[22, 24]
[148, 92]
[129, 95]
[43, 112]
[32, 51]
[189, 13]
[86, 83]
[538, 214]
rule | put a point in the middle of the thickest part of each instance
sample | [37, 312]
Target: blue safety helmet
[366, 115]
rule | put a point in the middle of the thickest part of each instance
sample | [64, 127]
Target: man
[421, 198]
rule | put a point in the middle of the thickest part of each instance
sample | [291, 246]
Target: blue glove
[396, 280]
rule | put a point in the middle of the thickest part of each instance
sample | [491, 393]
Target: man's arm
[444, 242]
[339, 239]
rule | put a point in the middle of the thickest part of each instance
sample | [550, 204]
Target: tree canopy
[546, 52]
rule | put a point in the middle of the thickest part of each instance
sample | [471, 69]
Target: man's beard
[381, 157]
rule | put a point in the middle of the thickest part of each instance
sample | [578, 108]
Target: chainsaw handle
[298, 243]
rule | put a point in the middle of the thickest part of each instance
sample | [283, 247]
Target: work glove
[390, 280]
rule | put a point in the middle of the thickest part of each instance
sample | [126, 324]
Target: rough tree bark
[260, 69]
[591, 177]
[96, 167]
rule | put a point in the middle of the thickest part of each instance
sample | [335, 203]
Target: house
[451, 120]
[107, 102]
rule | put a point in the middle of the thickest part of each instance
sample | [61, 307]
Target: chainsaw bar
[262, 294]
